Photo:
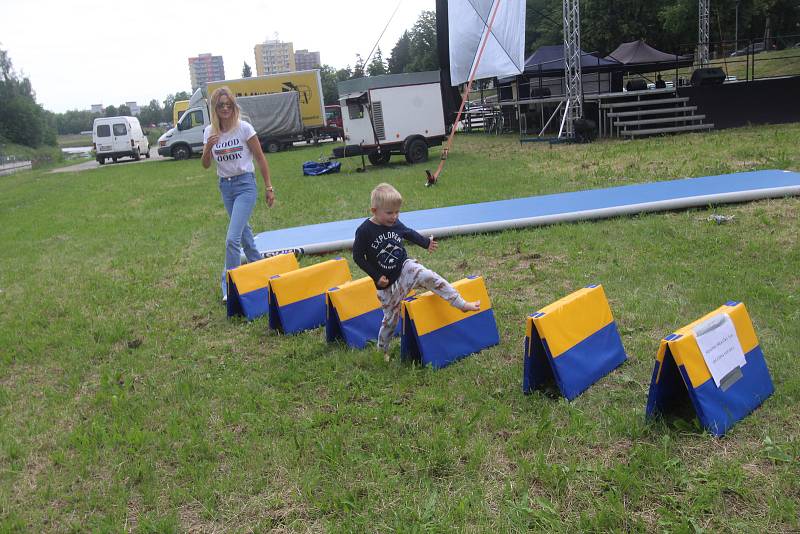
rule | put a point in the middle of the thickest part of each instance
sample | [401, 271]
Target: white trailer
[392, 114]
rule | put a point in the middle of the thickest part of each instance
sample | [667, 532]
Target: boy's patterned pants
[412, 276]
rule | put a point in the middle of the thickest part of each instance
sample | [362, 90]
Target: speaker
[708, 76]
[585, 130]
[638, 84]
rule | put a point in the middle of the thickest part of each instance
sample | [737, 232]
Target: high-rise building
[273, 56]
[205, 68]
[134, 107]
[97, 108]
[305, 60]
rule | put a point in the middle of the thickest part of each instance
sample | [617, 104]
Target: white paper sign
[720, 346]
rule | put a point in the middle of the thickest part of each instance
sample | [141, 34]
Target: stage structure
[572, 69]
[702, 34]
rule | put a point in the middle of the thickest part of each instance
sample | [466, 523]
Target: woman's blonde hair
[385, 196]
[215, 96]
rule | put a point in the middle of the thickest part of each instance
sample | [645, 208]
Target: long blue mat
[547, 209]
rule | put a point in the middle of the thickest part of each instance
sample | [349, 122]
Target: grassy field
[74, 140]
[129, 402]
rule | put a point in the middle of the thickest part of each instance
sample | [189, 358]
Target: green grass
[74, 140]
[42, 157]
[129, 402]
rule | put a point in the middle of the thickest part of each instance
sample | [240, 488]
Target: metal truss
[702, 34]
[572, 67]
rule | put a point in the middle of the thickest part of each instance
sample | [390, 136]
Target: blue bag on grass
[315, 168]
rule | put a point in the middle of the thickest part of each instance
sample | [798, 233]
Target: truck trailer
[391, 115]
[275, 118]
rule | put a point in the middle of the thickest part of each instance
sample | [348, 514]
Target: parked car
[118, 137]
[753, 48]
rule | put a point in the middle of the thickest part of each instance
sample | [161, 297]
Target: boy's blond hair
[385, 196]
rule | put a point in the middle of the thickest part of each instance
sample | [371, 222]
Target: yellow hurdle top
[355, 298]
[308, 282]
[256, 275]
[430, 312]
[568, 321]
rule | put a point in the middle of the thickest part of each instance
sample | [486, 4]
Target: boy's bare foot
[472, 306]
[386, 357]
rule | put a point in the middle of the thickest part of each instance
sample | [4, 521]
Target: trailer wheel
[416, 151]
[379, 157]
[272, 147]
[180, 152]
[101, 161]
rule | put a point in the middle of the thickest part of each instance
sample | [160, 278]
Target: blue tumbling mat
[547, 209]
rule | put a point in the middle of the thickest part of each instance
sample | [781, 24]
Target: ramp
[547, 209]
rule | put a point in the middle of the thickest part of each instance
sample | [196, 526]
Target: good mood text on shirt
[229, 150]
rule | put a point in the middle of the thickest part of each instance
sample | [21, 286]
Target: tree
[400, 54]
[111, 111]
[169, 103]
[330, 92]
[377, 66]
[151, 113]
[247, 72]
[123, 110]
[422, 46]
[358, 71]
[22, 120]
[74, 121]
[344, 74]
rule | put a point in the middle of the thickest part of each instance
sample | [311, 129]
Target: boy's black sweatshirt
[379, 251]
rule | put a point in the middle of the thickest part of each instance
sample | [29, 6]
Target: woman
[233, 143]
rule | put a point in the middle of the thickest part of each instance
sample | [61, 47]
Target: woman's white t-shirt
[231, 152]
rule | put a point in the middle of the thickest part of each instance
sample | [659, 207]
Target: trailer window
[103, 130]
[355, 109]
[120, 129]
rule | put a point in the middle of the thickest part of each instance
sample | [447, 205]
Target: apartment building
[205, 68]
[273, 56]
[305, 60]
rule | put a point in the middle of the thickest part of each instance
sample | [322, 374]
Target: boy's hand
[433, 245]
[383, 282]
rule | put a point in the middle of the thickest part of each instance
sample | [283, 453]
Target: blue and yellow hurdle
[680, 369]
[248, 284]
[438, 334]
[297, 298]
[354, 313]
[573, 342]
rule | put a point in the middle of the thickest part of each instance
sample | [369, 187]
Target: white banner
[468, 22]
[719, 346]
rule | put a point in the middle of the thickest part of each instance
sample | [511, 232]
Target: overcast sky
[83, 52]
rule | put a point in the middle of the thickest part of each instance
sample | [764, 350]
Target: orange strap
[432, 179]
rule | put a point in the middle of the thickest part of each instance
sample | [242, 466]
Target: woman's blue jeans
[239, 194]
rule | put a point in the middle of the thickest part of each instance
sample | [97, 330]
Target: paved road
[122, 161]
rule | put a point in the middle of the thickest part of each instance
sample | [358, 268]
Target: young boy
[378, 250]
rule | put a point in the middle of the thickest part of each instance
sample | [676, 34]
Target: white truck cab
[187, 135]
[117, 137]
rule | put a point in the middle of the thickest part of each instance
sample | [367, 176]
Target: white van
[117, 137]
